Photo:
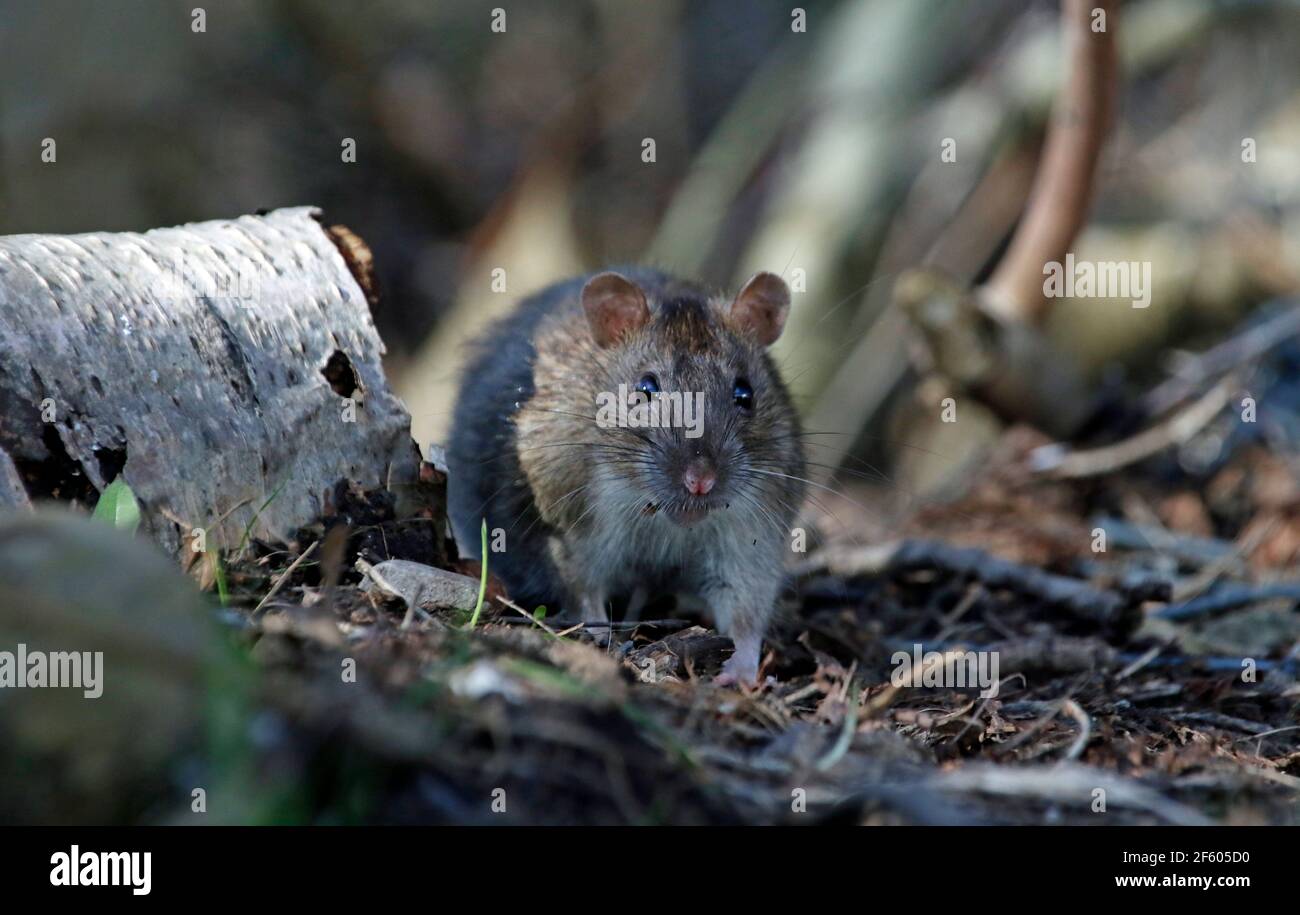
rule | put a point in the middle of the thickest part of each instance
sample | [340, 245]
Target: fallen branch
[1176, 430]
[1230, 596]
[1077, 597]
[207, 365]
[1186, 548]
[1246, 347]
[1211, 719]
[1069, 784]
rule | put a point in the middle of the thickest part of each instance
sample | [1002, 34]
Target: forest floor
[1143, 625]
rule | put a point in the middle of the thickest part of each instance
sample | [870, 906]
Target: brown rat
[591, 501]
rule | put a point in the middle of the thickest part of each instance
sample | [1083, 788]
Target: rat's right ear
[615, 306]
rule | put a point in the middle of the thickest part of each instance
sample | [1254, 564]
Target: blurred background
[802, 140]
[845, 145]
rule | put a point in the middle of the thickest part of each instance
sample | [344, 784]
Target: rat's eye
[648, 385]
[743, 394]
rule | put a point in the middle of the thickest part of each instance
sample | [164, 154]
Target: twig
[802, 692]
[284, 576]
[915, 677]
[526, 615]
[1272, 775]
[1147, 657]
[991, 571]
[1186, 548]
[1075, 595]
[1230, 597]
[1293, 727]
[1211, 719]
[968, 600]
[1067, 783]
[172, 516]
[843, 742]
[1204, 578]
[1073, 709]
[1245, 347]
[1047, 717]
[1216, 663]
[623, 624]
[1072, 594]
[413, 607]
[1176, 430]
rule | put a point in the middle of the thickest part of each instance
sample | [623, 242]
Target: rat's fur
[588, 512]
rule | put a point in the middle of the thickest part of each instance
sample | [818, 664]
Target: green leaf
[117, 506]
[540, 613]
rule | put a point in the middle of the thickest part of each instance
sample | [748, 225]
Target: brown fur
[611, 512]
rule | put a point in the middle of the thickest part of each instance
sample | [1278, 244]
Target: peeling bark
[213, 366]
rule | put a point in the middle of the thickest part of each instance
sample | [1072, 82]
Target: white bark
[195, 353]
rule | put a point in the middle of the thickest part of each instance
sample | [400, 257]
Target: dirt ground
[1143, 622]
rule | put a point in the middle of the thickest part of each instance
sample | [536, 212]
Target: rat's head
[691, 401]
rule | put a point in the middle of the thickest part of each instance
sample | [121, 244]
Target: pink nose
[699, 480]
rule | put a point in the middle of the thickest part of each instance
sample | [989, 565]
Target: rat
[592, 500]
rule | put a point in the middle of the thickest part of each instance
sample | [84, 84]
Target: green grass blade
[482, 582]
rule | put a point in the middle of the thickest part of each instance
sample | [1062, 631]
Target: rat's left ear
[761, 307]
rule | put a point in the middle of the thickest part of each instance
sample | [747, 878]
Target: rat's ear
[614, 305]
[761, 307]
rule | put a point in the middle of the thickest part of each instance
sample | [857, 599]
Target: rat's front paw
[741, 669]
[601, 636]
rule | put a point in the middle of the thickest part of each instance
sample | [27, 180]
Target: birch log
[213, 366]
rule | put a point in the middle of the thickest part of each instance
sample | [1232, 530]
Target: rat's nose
[699, 478]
